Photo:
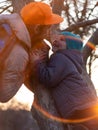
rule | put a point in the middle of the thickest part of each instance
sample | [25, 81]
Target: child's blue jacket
[62, 75]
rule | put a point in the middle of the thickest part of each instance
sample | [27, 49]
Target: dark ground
[16, 116]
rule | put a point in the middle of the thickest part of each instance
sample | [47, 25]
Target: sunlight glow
[91, 45]
[25, 96]
[50, 116]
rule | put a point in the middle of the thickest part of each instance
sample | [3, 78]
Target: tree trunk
[43, 109]
[18, 4]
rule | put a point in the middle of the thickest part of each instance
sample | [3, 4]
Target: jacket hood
[75, 56]
[73, 41]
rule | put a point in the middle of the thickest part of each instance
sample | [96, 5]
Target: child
[62, 75]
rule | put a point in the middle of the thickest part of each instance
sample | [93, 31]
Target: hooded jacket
[62, 75]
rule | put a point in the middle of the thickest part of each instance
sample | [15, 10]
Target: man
[36, 20]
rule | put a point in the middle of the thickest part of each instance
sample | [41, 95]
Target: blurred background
[16, 113]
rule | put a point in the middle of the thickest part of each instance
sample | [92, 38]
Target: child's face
[58, 43]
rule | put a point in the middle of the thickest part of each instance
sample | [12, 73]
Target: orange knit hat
[39, 13]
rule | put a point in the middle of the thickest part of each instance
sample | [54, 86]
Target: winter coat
[62, 76]
[14, 55]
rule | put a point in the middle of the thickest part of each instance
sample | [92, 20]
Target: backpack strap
[9, 45]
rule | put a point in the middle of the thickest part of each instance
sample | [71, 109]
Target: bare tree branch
[81, 24]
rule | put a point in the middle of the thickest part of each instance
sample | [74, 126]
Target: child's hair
[73, 41]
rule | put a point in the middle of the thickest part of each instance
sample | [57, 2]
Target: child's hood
[76, 58]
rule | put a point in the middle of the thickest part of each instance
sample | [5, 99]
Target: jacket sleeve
[14, 57]
[53, 72]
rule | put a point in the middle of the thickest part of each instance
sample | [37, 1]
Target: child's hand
[38, 55]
